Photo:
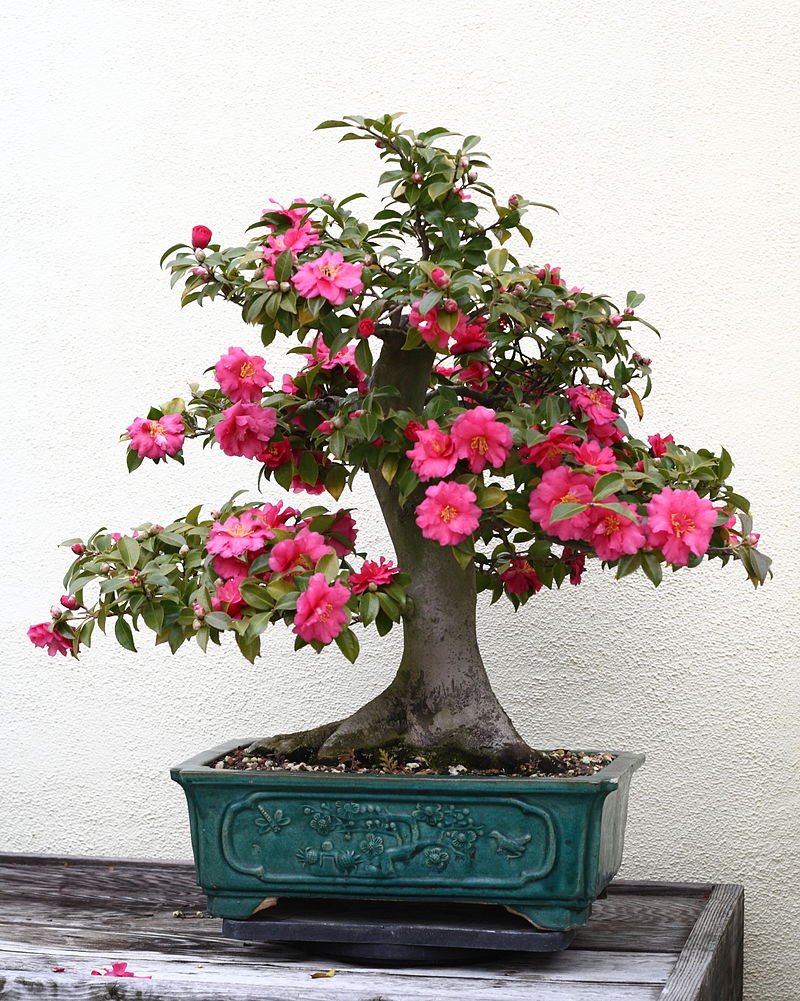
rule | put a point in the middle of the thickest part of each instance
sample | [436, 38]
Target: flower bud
[184, 550]
[570, 304]
[284, 286]
[214, 514]
[518, 290]
[440, 277]
[197, 624]
[628, 311]
[379, 144]
[338, 423]
[272, 284]
[624, 394]
[55, 611]
[417, 178]
[372, 586]
[463, 162]
[647, 361]
[199, 610]
[615, 319]
[77, 548]
[201, 237]
[106, 568]
[326, 198]
[219, 582]
[368, 259]
[602, 373]
[200, 255]
[419, 143]
[636, 357]
[751, 539]
[548, 317]
[450, 306]
[585, 379]
[573, 337]
[472, 176]
[513, 200]
[68, 601]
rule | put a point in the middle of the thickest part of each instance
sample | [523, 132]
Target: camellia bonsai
[486, 398]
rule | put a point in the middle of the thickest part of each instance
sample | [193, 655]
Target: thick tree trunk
[440, 703]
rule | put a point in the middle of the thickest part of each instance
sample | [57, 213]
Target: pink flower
[366, 327]
[296, 238]
[157, 438]
[411, 431]
[119, 970]
[328, 276]
[611, 534]
[299, 486]
[481, 439]
[228, 598]
[658, 445]
[592, 453]
[292, 214]
[679, 523]
[321, 614]
[449, 513]
[379, 574]
[44, 635]
[238, 534]
[245, 429]
[562, 486]
[434, 454]
[234, 566]
[429, 328]
[276, 515]
[520, 577]
[300, 553]
[549, 453]
[241, 376]
[593, 401]
[288, 386]
[342, 534]
[471, 338]
[201, 237]
[475, 375]
[276, 454]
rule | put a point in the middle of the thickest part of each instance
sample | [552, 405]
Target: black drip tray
[393, 932]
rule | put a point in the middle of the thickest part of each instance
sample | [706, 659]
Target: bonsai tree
[488, 400]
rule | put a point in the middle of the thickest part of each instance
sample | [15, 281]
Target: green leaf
[133, 460]
[165, 255]
[607, 485]
[123, 633]
[628, 565]
[347, 641]
[563, 511]
[153, 616]
[429, 300]
[651, 564]
[363, 356]
[129, 550]
[309, 468]
[328, 565]
[497, 258]
[283, 266]
[621, 510]
[491, 497]
[256, 595]
[369, 606]
[218, 620]
[335, 479]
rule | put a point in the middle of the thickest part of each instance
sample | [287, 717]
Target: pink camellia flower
[245, 533]
[658, 445]
[440, 277]
[43, 635]
[481, 439]
[237, 567]
[241, 376]
[228, 598]
[276, 515]
[592, 453]
[471, 338]
[606, 433]
[549, 453]
[328, 276]
[245, 429]
[276, 454]
[520, 577]
[157, 438]
[342, 534]
[288, 386]
[299, 553]
[120, 970]
[379, 574]
[411, 431]
[562, 486]
[431, 331]
[201, 237]
[449, 513]
[299, 486]
[292, 214]
[611, 534]
[434, 453]
[679, 523]
[475, 375]
[296, 238]
[321, 614]
[594, 401]
[366, 327]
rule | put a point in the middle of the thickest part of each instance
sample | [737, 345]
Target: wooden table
[645, 941]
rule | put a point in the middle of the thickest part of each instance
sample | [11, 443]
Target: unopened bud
[199, 255]
[379, 144]
[419, 143]
[106, 567]
[55, 611]
[417, 178]
[585, 379]
[636, 357]
[219, 582]
[463, 162]
[184, 550]
[77, 548]
[199, 610]
[647, 361]
[284, 286]
[450, 306]
[372, 586]
[751, 539]
[440, 277]
[615, 319]
[472, 176]
[518, 290]
[214, 514]
[602, 373]
[272, 284]
[624, 394]
[197, 624]
[570, 304]
[628, 311]
[573, 337]
[513, 200]
[368, 259]
[68, 601]
[326, 198]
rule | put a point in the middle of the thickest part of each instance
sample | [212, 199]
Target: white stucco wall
[664, 134]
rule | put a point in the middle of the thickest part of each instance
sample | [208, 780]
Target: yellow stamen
[479, 444]
[681, 524]
[156, 429]
[246, 370]
[330, 271]
[447, 513]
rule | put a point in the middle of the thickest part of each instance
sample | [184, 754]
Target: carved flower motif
[437, 857]
[347, 861]
[372, 845]
[323, 822]
[430, 813]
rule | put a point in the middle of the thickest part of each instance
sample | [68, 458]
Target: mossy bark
[440, 703]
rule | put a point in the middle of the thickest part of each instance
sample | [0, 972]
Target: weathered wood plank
[710, 965]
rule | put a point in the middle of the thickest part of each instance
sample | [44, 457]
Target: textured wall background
[664, 134]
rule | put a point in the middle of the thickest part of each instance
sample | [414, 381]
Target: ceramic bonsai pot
[542, 847]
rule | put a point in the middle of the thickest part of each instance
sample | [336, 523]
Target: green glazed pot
[543, 847]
